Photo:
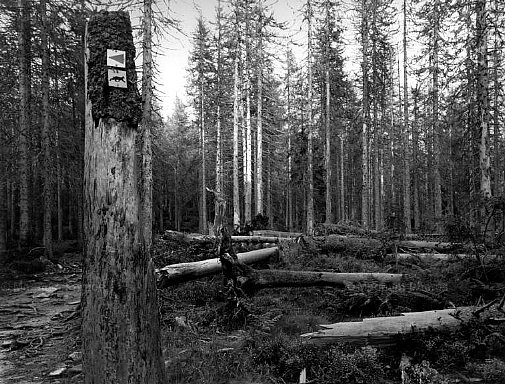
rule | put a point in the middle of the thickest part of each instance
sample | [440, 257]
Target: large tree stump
[120, 330]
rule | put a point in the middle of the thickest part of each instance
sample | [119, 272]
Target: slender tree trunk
[46, 138]
[310, 160]
[327, 147]
[24, 43]
[499, 182]
[365, 156]
[406, 131]
[236, 115]
[436, 127]
[120, 330]
[259, 117]
[3, 196]
[144, 139]
[203, 169]
[247, 157]
[483, 99]
[327, 157]
[290, 215]
[219, 144]
[415, 159]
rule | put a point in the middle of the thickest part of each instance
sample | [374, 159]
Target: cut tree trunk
[182, 272]
[383, 331]
[120, 321]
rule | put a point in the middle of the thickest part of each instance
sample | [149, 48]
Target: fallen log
[440, 256]
[259, 279]
[182, 272]
[384, 331]
[435, 245]
[206, 239]
[270, 233]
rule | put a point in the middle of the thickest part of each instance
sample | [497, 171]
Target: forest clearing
[325, 204]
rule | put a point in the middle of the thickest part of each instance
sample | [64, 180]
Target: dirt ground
[39, 326]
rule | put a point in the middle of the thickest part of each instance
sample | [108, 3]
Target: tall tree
[310, 159]
[24, 46]
[144, 137]
[46, 137]
[365, 196]
[259, 112]
[483, 96]
[406, 130]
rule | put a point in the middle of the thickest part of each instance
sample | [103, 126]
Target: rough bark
[182, 272]
[120, 330]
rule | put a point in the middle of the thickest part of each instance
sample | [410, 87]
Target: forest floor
[39, 325]
[208, 339]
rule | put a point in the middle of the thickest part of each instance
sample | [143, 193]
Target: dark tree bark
[120, 330]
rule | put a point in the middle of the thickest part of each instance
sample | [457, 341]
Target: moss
[112, 30]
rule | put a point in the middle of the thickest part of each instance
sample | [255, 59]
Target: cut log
[182, 272]
[383, 331]
[259, 279]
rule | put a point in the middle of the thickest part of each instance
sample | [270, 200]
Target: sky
[172, 61]
[174, 48]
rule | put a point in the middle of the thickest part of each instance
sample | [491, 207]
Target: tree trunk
[365, 198]
[203, 170]
[219, 145]
[120, 330]
[3, 196]
[406, 131]
[259, 117]
[236, 116]
[247, 136]
[24, 43]
[327, 146]
[483, 99]
[46, 138]
[144, 136]
[182, 272]
[310, 160]
[436, 126]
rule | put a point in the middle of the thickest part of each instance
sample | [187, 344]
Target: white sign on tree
[117, 78]
[116, 58]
